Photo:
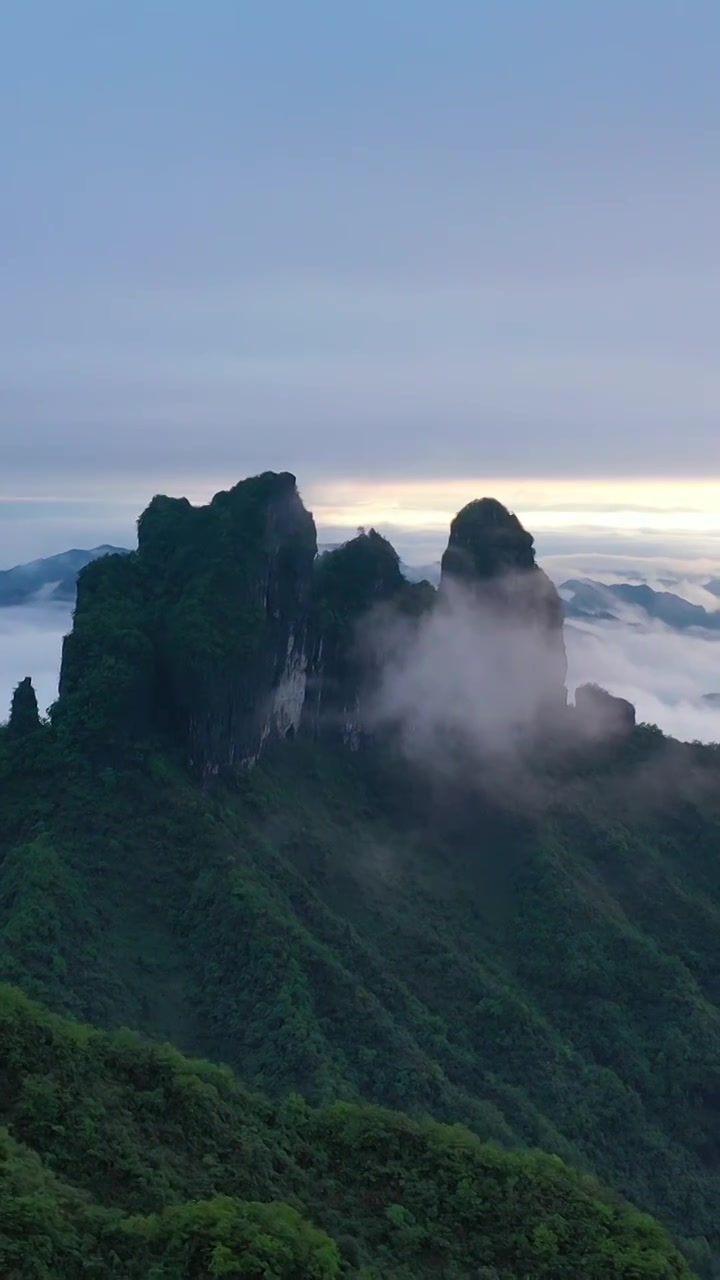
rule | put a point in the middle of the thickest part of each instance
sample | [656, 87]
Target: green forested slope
[216, 841]
[120, 1158]
[548, 978]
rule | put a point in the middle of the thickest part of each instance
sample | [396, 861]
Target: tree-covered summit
[486, 541]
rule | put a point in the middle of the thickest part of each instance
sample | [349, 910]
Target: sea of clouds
[30, 645]
[666, 674]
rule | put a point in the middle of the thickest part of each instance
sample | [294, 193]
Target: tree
[24, 714]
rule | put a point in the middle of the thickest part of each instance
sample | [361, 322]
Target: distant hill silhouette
[52, 578]
[584, 598]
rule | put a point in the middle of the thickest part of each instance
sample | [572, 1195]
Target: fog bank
[30, 645]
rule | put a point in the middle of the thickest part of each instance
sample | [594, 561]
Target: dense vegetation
[532, 952]
[119, 1158]
[325, 926]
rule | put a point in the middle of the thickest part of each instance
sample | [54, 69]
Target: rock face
[202, 631]
[231, 585]
[490, 558]
[225, 629]
[350, 582]
[486, 543]
[107, 694]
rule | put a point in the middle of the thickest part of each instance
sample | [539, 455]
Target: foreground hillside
[217, 841]
[123, 1159]
[547, 980]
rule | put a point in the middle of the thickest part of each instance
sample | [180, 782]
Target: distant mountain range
[54, 578]
[584, 598]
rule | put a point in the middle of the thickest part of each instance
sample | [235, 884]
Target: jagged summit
[490, 554]
[486, 541]
[350, 581]
[263, 508]
[233, 630]
[225, 629]
[201, 632]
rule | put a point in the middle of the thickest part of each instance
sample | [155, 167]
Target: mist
[472, 678]
[446, 673]
[666, 674]
[467, 681]
[30, 645]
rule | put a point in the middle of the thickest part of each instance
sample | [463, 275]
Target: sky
[413, 252]
[451, 248]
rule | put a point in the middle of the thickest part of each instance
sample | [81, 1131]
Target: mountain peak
[235, 632]
[491, 557]
[487, 541]
[215, 604]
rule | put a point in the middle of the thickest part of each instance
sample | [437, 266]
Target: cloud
[444, 678]
[649, 525]
[471, 243]
[347, 379]
[471, 679]
[30, 645]
[690, 589]
[466, 682]
[35, 527]
[664, 673]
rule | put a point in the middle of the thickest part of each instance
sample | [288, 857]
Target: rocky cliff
[225, 629]
[202, 631]
[230, 591]
[351, 581]
[491, 554]
[490, 558]
[487, 542]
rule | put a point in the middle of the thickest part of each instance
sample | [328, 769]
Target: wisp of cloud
[466, 681]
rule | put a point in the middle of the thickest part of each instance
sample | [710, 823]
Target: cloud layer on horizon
[664, 673]
[591, 527]
[30, 645]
